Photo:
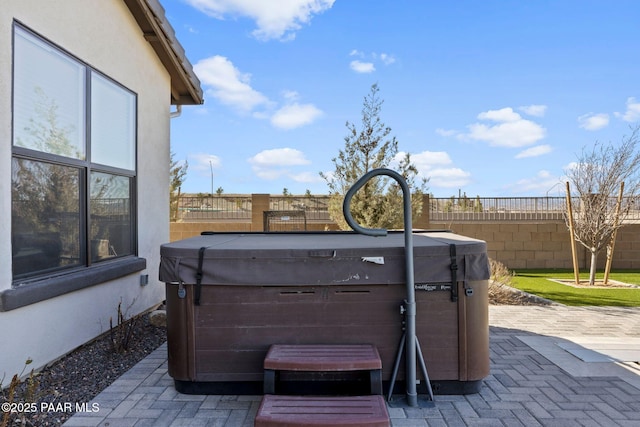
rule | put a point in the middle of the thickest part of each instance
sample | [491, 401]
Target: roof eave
[150, 16]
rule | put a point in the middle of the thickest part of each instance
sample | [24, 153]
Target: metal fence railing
[205, 208]
[239, 207]
[510, 208]
[496, 208]
[452, 209]
[315, 207]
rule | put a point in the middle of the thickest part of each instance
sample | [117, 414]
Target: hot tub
[231, 295]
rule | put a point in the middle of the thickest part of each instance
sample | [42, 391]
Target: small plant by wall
[19, 398]
[122, 332]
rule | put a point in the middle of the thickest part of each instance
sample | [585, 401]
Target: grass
[536, 282]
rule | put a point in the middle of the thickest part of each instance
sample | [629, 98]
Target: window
[74, 162]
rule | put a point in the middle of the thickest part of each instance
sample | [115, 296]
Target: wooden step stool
[322, 358]
[324, 411]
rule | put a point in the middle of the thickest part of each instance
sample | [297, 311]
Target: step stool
[323, 358]
[324, 411]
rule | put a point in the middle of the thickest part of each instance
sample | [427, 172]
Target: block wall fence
[517, 244]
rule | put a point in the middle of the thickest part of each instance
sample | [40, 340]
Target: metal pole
[211, 166]
[410, 302]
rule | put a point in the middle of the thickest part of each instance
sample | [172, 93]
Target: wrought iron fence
[509, 208]
[238, 207]
[316, 208]
[496, 208]
[205, 208]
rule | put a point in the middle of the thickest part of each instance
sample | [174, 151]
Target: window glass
[45, 216]
[112, 124]
[73, 165]
[110, 231]
[48, 99]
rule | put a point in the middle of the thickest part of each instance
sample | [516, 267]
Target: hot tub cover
[280, 259]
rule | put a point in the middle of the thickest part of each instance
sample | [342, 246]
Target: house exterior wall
[104, 35]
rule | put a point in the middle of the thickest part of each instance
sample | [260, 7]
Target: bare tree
[597, 178]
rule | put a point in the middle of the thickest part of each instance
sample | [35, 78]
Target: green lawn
[535, 282]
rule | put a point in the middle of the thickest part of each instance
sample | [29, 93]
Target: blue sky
[491, 98]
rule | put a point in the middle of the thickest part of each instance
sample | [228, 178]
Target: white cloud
[437, 166]
[633, 111]
[279, 157]
[362, 67]
[295, 115]
[511, 129]
[387, 59]
[224, 82]
[228, 85]
[272, 164]
[502, 115]
[202, 162]
[592, 121]
[428, 159]
[449, 177]
[273, 22]
[541, 183]
[290, 95]
[536, 151]
[534, 110]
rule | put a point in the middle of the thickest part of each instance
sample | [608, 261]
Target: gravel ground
[81, 375]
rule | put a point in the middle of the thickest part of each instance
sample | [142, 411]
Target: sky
[491, 98]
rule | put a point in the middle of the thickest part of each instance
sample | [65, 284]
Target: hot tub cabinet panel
[329, 288]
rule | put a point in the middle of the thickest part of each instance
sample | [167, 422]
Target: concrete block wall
[184, 230]
[531, 245]
[518, 245]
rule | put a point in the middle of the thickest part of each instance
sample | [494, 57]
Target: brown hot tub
[258, 289]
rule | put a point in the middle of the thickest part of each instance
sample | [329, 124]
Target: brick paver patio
[550, 366]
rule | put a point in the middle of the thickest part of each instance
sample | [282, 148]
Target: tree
[177, 174]
[45, 196]
[379, 203]
[477, 206]
[597, 179]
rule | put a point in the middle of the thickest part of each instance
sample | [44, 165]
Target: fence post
[422, 220]
[259, 204]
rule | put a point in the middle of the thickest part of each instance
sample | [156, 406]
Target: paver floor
[550, 366]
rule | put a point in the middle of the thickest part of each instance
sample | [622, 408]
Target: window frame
[87, 272]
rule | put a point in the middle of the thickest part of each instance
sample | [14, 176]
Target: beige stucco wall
[104, 35]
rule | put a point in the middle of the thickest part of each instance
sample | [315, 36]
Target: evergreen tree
[379, 203]
[177, 174]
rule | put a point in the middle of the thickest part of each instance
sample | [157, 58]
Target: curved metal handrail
[410, 302]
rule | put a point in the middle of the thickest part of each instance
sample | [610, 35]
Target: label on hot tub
[433, 287]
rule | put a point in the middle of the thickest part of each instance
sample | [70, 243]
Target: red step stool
[322, 358]
[324, 411]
